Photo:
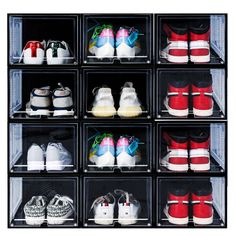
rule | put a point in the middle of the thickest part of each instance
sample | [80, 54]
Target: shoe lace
[95, 90]
[124, 194]
[64, 200]
[99, 29]
[99, 138]
[105, 198]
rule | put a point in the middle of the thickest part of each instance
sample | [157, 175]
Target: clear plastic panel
[40, 148]
[135, 36]
[214, 142]
[173, 190]
[24, 212]
[138, 104]
[191, 38]
[173, 78]
[131, 206]
[117, 148]
[26, 85]
[26, 28]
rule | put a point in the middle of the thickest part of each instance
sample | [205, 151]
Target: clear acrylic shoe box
[117, 120]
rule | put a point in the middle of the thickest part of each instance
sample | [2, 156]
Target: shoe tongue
[42, 91]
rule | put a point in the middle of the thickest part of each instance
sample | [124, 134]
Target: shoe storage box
[117, 120]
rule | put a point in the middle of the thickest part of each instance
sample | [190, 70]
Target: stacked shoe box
[117, 120]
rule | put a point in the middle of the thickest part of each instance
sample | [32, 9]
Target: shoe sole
[202, 113]
[59, 220]
[200, 167]
[175, 112]
[63, 113]
[174, 167]
[202, 221]
[124, 51]
[103, 221]
[129, 111]
[104, 111]
[174, 59]
[35, 165]
[125, 160]
[105, 51]
[124, 221]
[174, 220]
[40, 112]
[33, 60]
[105, 160]
[34, 220]
[55, 165]
[200, 59]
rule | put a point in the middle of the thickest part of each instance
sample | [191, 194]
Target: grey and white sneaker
[59, 209]
[128, 208]
[35, 210]
[40, 101]
[35, 157]
[57, 157]
[62, 101]
[103, 208]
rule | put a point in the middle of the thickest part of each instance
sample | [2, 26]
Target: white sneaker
[35, 157]
[40, 101]
[103, 208]
[57, 157]
[33, 53]
[129, 103]
[57, 52]
[103, 105]
[62, 101]
[129, 208]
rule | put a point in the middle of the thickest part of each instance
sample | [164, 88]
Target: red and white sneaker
[33, 52]
[177, 98]
[176, 208]
[175, 43]
[177, 151]
[202, 95]
[200, 42]
[199, 151]
[202, 203]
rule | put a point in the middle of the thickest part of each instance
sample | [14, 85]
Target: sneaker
[129, 102]
[57, 52]
[202, 95]
[40, 102]
[33, 53]
[127, 154]
[102, 42]
[177, 100]
[176, 208]
[62, 101]
[202, 203]
[128, 208]
[200, 41]
[103, 151]
[103, 105]
[199, 150]
[57, 157]
[176, 158]
[175, 43]
[35, 210]
[103, 209]
[59, 209]
[35, 157]
[126, 42]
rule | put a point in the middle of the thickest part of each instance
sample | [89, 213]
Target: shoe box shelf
[135, 58]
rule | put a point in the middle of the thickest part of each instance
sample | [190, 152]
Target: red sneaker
[200, 42]
[202, 203]
[176, 209]
[199, 151]
[176, 100]
[202, 95]
[175, 43]
[177, 151]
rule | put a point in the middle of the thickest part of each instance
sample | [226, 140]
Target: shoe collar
[58, 199]
[108, 198]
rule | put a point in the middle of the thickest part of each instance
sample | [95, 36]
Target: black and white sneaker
[59, 209]
[35, 210]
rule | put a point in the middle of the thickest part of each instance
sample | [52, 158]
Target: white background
[119, 6]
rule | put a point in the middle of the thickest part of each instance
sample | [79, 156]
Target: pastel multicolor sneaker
[102, 42]
[103, 208]
[127, 154]
[126, 42]
[103, 151]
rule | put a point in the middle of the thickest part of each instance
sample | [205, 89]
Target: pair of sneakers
[40, 102]
[103, 44]
[128, 208]
[177, 99]
[184, 150]
[57, 157]
[103, 105]
[181, 40]
[57, 52]
[102, 152]
[181, 198]
[56, 212]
